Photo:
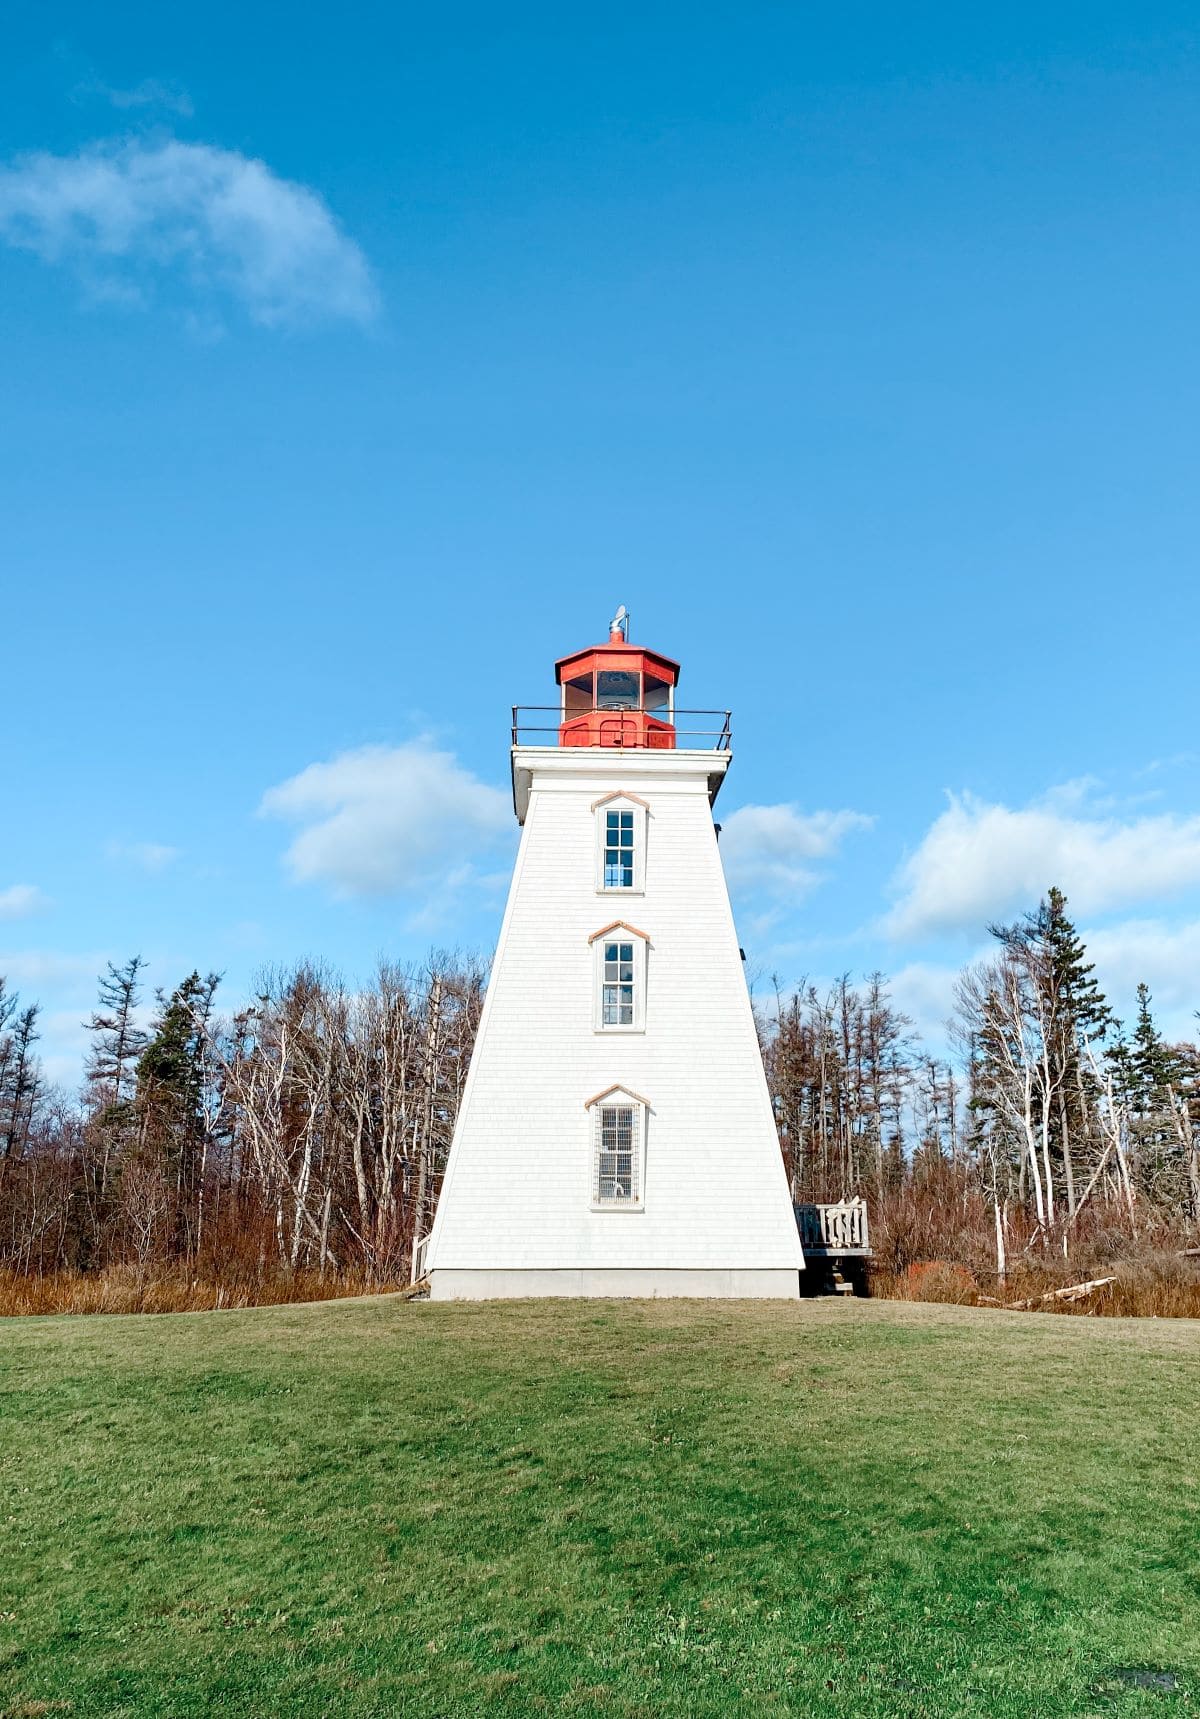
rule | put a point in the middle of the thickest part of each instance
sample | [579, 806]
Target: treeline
[307, 1133]
[1054, 1130]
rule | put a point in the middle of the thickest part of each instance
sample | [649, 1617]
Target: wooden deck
[835, 1232]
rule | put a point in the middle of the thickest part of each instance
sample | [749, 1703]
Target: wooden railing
[420, 1249]
[834, 1229]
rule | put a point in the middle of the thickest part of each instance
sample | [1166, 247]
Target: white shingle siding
[517, 1195]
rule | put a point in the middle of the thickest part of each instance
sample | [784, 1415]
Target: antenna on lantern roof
[618, 627]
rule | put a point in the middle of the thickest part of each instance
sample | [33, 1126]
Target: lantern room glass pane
[617, 689]
[656, 697]
[577, 696]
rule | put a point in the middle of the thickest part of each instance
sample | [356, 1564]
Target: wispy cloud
[1176, 761]
[980, 861]
[157, 94]
[48, 967]
[390, 820]
[20, 900]
[772, 849]
[145, 856]
[64, 987]
[138, 219]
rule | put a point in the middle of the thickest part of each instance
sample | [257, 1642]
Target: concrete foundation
[446, 1284]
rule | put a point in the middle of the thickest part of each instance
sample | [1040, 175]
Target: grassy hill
[599, 1509]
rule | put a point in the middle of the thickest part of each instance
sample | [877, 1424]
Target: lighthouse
[616, 1135]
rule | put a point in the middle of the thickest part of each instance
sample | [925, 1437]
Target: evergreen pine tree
[21, 1085]
[1154, 1065]
[170, 1090]
[1162, 1102]
[1119, 1057]
[1081, 1000]
[1073, 1010]
[118, 1041]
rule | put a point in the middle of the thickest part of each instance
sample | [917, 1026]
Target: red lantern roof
[617, 654]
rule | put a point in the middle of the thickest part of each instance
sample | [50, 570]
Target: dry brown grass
[172, 1289]
[1154, 1284]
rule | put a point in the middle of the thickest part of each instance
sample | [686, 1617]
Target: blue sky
[358, 363]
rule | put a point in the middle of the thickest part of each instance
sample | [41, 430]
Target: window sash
[617, 1002]
[620, 848]
[616, 1165]
[619, 972]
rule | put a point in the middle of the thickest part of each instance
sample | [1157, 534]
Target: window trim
[619, 932]
[612, 1098]
[620, 800]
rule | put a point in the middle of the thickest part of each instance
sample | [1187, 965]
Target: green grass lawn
[604, 1509]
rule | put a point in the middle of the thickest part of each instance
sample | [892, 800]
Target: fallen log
[1073, 1292]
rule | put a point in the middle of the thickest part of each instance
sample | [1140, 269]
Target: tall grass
[174, 1289]
[1154, 1284]
[934, 1240]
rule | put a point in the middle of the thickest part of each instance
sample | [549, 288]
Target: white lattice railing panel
[840, 1228]
[420, 1249]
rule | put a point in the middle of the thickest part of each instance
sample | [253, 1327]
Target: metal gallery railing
[699, 730]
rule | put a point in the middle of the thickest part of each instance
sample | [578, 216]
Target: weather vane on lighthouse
[618, 627]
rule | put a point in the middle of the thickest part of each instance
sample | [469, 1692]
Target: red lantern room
[617, 694]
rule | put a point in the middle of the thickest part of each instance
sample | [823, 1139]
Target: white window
[619, 952]
[620, 844]
[618, 988]
[618, 1144]
[618, 849]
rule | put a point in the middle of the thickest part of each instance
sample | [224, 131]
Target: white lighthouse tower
[616, 1135]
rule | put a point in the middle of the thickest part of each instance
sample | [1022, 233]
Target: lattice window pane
[617, 1155]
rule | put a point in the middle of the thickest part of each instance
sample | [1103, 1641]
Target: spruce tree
[1081, 1000]
[1153, 1064]
[1073, 1009]
[21, 1085]
[170, 1094]
[118, 1041]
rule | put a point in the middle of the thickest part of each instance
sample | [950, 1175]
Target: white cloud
[772, 848]
[1165, 956]
[146, 856]
[20, 900]
[389, 820]
[924, 991]
[130, 214]
[979, 862]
